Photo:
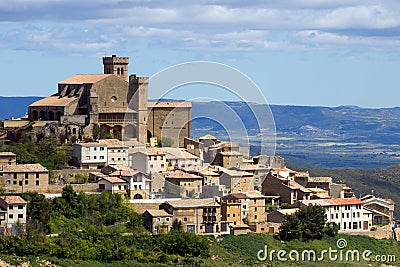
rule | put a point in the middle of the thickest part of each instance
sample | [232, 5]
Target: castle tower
[117, 66]
[138, 87]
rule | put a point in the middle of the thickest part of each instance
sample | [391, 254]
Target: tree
[307, 223]
[291, 228]
[177, 226]
[166, 142]
[314, 220]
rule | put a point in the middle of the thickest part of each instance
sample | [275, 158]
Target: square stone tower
[117, 66]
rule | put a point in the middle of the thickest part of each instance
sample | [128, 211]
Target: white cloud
[205, 24]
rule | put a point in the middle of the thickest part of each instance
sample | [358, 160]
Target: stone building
[24, 178]
[113, 104]
[199, 216]
[169, 119]
[8, 158]
[157, 221]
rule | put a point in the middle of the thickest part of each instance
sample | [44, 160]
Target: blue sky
[299, 52]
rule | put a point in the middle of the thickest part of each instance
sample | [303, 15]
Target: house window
[185, 219]
[37, 183]
[101, 148]
[37, 175]
[10, 216]
[26, 175]
[26, 181]
[95, 157]
[255, 217]
[20, 207]
[14, 182]
[101, 157]
[20, 216]
[20, 183]
[95, 148]
[167, 219]
[87, 157]
[15, 175]
[10, 207]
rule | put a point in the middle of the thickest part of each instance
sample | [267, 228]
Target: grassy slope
[242, 251]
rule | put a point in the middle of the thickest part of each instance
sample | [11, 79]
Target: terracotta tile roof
[225, 144]
[111, 143]
[85, 78]
[23, 168]
[196, 202]
[178, 174]
[333, 201]
[254, 194]
[302, 174]
[7, 153]
[287, 211]
[153, 151]
[208, 173]
[113, 180]
[343, 201]
[389, 200]
[284, 170]
[159, 213]
[13, 200]
[183, 104]
[235, 196]
[231, 153]
[294, 185]
[237, 173]
[320, 179]
[54, 101]
[178, 153]
[208, 136]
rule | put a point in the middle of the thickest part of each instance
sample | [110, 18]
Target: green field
[242, 251]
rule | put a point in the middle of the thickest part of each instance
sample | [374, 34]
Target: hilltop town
[122, 143]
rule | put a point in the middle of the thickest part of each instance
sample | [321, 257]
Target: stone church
[112, 104]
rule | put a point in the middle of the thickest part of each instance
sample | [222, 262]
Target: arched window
[35, 115]
[58, 115]
[42, 115]
[51, 116]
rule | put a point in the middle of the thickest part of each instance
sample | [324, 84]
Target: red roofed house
[348, 213]
[113, 184]
[12, 215]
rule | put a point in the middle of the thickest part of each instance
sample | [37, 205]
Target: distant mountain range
[15, 106]
[332, 137]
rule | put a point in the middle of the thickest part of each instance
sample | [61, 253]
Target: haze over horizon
[308, 52]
